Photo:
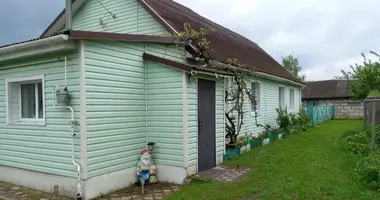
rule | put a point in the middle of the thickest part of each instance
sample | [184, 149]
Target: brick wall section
[343, 108]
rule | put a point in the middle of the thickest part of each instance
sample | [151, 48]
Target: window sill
[28, 123]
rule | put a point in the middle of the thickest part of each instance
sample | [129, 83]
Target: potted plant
[257, 140]
[242, 143]
[234, 149]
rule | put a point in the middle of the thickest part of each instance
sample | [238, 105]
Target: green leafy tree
[364, 78]
[291, 64]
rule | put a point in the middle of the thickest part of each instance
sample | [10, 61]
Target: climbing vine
[238, 93]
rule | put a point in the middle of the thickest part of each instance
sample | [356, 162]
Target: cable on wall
[107, 15]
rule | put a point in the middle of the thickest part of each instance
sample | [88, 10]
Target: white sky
[326, 35]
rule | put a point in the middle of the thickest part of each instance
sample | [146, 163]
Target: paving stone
[158, 194]
[126, 198]
[18, 193]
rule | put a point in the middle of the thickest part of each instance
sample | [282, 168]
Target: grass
[310, 165]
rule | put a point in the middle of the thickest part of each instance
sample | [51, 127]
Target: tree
[291, 64]
[365, 77]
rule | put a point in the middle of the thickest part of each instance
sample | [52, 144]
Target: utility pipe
[65, 71]
[31, 44]
[146, 98]
[68, 15]
[72, 123]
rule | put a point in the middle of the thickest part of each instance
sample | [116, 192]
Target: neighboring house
[127, 87]
[336, 93]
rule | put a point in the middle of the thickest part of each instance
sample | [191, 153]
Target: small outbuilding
[336, 93]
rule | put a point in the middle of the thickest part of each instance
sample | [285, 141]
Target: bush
[295, 122]
[359, 143]
[367, 170]
[367, 165]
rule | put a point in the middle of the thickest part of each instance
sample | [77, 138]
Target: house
[127, 85]
[336, 93]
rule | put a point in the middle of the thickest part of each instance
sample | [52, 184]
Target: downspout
[224, 116]
[68, 15]
[137, 17]
[73, 134]
[146, 98]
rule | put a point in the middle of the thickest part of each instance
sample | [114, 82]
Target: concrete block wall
[343, 108]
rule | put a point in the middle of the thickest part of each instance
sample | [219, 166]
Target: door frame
[216, 138]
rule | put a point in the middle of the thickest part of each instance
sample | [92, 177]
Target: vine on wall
[237, 95]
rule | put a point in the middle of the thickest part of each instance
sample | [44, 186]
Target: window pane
[292, 99]
[281, 97]
[28, 101]
[40, 102]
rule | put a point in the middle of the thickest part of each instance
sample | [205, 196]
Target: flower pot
[256, 142]
[272, 136]
[286, 133]
[232, 151]
[266, 141]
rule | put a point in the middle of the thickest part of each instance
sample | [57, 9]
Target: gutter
[45, 41]
[276, 78]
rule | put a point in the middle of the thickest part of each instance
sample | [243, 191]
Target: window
[291, 98]
[255, 91]
[281, 97]
[26, 100]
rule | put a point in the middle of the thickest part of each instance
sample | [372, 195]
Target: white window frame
[258, 106]
[283, 96]
[20, 120]
[292, 104]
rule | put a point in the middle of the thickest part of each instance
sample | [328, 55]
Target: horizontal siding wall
[42, 148]
[165, 121]
[192, 120]
[192, 100]
[115, 90]
[269, 98]
[116, 105]
[131, 17]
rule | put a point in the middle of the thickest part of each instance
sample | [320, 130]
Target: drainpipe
[146, 98]
[73, 134]
[68, 15]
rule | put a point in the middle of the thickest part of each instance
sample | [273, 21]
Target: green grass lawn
[309, 165]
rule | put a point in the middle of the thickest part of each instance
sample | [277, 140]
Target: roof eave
[36, 47]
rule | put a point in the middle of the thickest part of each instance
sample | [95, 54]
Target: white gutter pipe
[72, 123]
[276, 78]
[45, 41]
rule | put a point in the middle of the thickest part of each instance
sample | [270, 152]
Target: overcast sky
[326, 35]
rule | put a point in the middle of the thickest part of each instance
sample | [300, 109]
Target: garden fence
[319, 114]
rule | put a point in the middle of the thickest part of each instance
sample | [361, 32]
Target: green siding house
[127, 86]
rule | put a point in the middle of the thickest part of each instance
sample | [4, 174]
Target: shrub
[367, 170]
[359, 143]
[298, 122]
[283, 119]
